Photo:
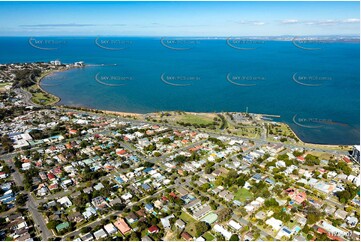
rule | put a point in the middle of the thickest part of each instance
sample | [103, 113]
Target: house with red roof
[122, 226]
[301, 158]
[57, 171]
[185, 141]
[172, 194]
[346, 159]
[53, 187]
[73, 131]
[121, 152]
[186, 236]
[153, 229]
[51, 176]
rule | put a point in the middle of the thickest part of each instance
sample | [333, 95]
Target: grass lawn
[190, 228]
[2, 85]
[195, 119]
[134, 225]
[242, 195]
[208, 236]
[246, 131]
[186, 217]
[40, 97]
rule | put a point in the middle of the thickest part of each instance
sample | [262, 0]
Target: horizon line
[196, 36]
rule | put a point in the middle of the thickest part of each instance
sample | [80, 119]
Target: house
[330, 210]
[274, 223]
[62, 226]
[99, 186]
[146, 238]
[51, 176]
[42, 190]
[341, 214]
[194, 203]
[180, 223]
[131, 218]
[301, 220]
[99, 234]
[181, 191]
[3, 175]
[149, 207]
[110, 228]
[186, 236]
[99, 202]
[351, 221]
[65, 201]
[234, 224]
[260, 215]
[285, 232]
[202, 211]
[226, 234]
[153, 229]
[122, 226]
[89, 211]
[141, 213]
[300, 197]
[88, 190]
[87, 237]
[76, 217]
[248, 236]
[165, 222]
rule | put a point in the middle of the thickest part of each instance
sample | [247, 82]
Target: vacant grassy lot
[242, 195]
[208, 236]
[3, 84]
[195, 118]
[186, 217]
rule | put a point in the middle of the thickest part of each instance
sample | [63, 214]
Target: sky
[179, 18]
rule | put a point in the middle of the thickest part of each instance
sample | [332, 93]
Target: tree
[21, 199]
[224, 214]
[85, 230]
[234, 237]
[52, 224]
[309, 236]
[119, 206]
[201, 228]
[6, 143]
[271, 202]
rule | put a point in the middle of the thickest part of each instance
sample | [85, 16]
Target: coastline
[58, 99]
[137, 115]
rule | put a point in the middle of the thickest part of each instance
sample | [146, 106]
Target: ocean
[313, 86]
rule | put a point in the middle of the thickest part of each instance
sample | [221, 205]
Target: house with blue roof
[147, 170]
[257, 177]
[270, 181]
[6, 197]
[146, 187]
[5, 186]
[118, 179]
[149, 207]
[134, 158]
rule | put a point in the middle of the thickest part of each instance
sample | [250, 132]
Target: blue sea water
[317, 92]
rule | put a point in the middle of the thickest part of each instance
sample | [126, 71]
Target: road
[26, 97]
[32, 205]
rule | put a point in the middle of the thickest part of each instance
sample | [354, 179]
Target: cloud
[326, 22]
[351, 20]
[69, 25]
[56, 25]
[290, 21]
[252, 22]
